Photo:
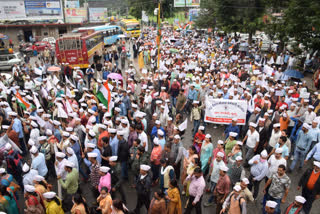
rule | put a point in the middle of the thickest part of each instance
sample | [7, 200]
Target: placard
[222, 111]
[279, 93]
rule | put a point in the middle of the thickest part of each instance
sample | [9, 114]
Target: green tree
[137, 6]
[302, 21]
[232, 15]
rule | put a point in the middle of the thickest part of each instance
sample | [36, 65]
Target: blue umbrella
[293, 74]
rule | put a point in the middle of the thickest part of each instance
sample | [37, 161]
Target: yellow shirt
[53, 208]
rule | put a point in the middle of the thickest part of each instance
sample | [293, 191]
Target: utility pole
[185, 9]
[159, 33]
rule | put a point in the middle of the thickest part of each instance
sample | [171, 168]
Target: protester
[60, 130]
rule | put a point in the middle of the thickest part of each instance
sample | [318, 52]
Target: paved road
[253, 208]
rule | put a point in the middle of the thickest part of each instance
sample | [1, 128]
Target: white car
[51, 40]
[7, 61]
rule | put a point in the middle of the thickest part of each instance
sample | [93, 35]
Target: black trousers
[143, 199]
[255, 185]
[190, 206]
[177, 169]
[120, 190]
[310, 197]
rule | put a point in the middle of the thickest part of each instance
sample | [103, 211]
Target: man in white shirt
[252, 138]
[142, 136]
[275, 161]
[309, 115]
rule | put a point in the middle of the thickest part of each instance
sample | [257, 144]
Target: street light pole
[159, 33]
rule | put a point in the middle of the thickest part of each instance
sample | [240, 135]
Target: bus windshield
[133, 26]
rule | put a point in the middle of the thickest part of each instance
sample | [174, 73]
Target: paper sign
[222, 111]
[279, 93]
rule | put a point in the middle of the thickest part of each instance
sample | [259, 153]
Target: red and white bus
[78, 49]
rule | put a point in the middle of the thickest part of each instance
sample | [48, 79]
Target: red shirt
[198, 137]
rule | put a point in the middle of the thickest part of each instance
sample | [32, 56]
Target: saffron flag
[104, 95]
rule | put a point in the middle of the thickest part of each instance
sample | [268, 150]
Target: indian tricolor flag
[22, 102]
[104, 95]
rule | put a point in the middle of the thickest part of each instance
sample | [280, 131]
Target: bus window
[74, 45]
[79, 45]
[61, 44]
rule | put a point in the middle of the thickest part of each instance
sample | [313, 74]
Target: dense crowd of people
[64, 126]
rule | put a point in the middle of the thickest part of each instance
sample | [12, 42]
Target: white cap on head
[92, 155]
[33, 150]
[237, 188]
[104, 169]
[155, 141]
[113, 158]
[25, 167]
[239, 143]
[157, 122]
[49, 195]
[29, 188]
[238, 158]
[65, 134]
[233, 134]
[91, 145]
[253, 124]
[91, 133]
[316, 163]
[69, 129]
[245, 180]
[300, 199]
[224, 168]
[34, 124]
[70, 151]
[60, 155]
[201, 128]
[2, 170]
[276, 125]
[264, 153]
[160, 132]
[48, 132]
[41, 138]
[38, 178]
[69, 164]
[177, 137]
[145, 167]
[208, 136]
[271, 204]
[220, 142]
[220, 154]
[73, 137]
[306, 126]
[279, 150]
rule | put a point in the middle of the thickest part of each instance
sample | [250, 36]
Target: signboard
[42, 9]
[12, 10]
[145, 17]
[221, 111]
[98, 14]
[71, 4]
[186, 3]
[75, 15]
[193, 14]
